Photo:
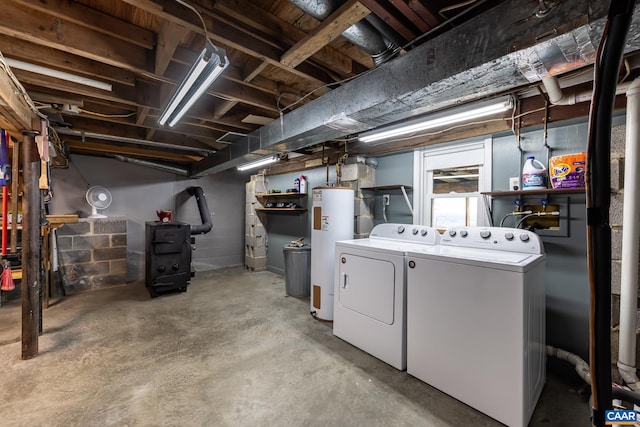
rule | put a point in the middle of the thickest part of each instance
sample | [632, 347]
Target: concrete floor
[231, 351]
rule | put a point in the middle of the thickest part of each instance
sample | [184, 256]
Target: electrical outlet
[386, 199]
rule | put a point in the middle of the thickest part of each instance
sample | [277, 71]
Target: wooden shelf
[536, 192]
[282, 195]
[282, 210]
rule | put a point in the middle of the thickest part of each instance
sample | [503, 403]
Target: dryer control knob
[412, 264]
[464, 233]
[452, 233]
[508, 236]
[401, 229]
[414, 231]
[485, 234]
[524, 237]
[423, 232]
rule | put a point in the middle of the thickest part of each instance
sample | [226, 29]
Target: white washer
[370, 289]
[476, 319]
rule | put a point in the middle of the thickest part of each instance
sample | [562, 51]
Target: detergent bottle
[303, 184]
[534, 175]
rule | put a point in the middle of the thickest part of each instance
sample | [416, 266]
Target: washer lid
[515, 261]
[378, 245]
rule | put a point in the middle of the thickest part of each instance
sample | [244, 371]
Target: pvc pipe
[630, 237]
[582, 368]
[406, 199]
[558, 97]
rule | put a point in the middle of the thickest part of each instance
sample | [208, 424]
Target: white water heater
[332, 219]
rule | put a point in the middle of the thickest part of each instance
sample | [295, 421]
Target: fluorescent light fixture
[209, 65]
[257, 163]
[62, 75]
[444, 118]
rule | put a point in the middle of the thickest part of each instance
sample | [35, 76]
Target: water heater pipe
[630, 247]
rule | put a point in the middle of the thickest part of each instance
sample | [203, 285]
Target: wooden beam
[331, 28]
[31, 308]
[230, 37]
[261, 22]
[43, 29]
[15, 113]
[411, 15]
[425, 13]
[168, 38]
[93, 19]
[42, 55]
[377, 8]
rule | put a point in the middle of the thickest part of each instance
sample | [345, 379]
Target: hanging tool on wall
[42, 141]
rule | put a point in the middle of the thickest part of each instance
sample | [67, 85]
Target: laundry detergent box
[568, 171]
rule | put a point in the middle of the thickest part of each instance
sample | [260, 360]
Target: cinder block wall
[618, 136]
[93, 253]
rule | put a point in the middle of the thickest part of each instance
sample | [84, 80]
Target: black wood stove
[168, 250]
[168, 257]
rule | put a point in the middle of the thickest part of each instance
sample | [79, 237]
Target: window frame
[451, 155]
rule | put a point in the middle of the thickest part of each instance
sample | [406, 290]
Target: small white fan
[99, 198]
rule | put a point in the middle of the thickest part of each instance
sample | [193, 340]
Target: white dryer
[476, 319]
[370, 289]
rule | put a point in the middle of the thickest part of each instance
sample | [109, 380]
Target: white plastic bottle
[534, 175]
[303, 184]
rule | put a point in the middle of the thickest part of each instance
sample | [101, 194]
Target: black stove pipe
[598, 191]
[206, 225]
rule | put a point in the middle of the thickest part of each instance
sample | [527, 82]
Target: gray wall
[567, 278]
[394, 169]
[283, 228]
[139, 191]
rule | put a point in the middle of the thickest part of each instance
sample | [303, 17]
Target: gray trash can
[297, 270]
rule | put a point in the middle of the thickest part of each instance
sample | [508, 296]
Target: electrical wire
[204, 26]
[324, 86]
[510, 214]
[95, 113]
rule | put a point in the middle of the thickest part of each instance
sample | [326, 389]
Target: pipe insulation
[582, 368]
[630, 239]
[598, 190]
[205, 215]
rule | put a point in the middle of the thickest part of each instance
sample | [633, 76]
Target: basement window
[447, 183]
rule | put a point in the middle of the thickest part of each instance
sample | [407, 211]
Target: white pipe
[558, 97]
[582, 368]
[406, 199]
[630, 238]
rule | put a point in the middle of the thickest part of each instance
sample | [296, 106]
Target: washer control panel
[498, 238]
[406, 233]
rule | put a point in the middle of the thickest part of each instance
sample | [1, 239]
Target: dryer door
[367, 286]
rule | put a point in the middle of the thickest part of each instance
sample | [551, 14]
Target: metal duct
[206, 225]
[487, 62]
[361, 34]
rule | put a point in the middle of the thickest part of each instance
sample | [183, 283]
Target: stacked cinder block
[93, 253]
[255, 238]
[359, 176]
